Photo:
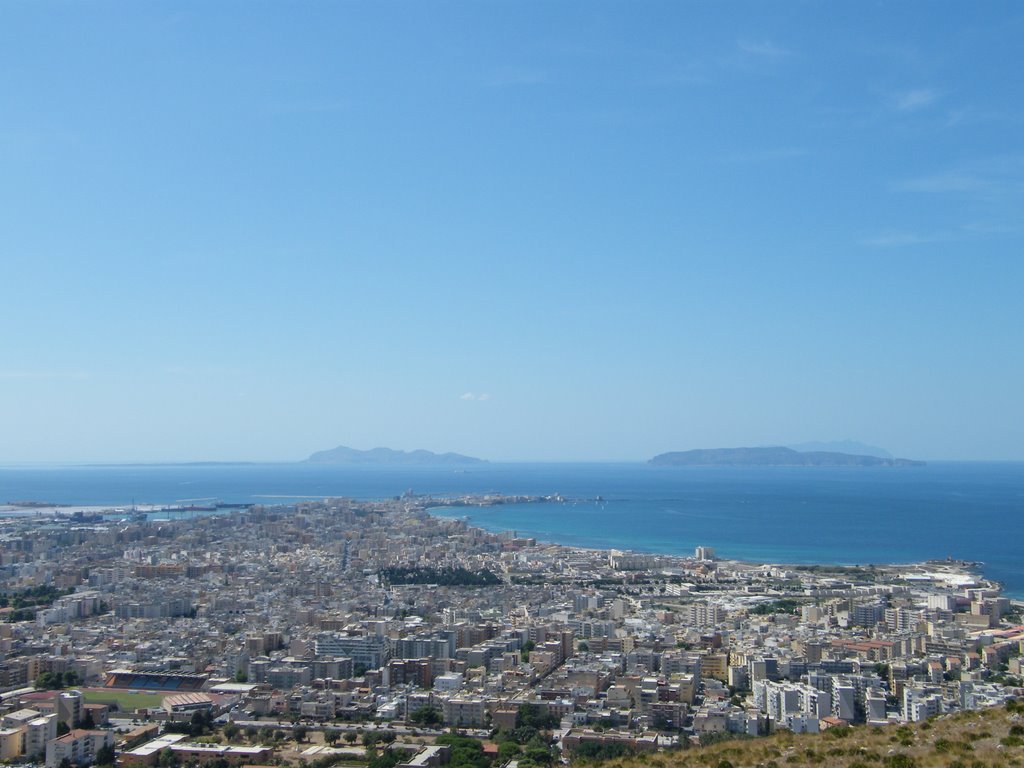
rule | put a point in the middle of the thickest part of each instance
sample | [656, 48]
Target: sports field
[127, 701]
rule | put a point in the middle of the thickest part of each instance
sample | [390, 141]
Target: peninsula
[773, 457]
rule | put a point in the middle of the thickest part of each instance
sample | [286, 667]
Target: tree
[50, 680]
[70, 678]
[87, 721]
[584, 646]
[532, 716]
[351, 736]
[299, 733]
[528, 646]
[105, 755]
[523, 734]
[593, 751]
[386, 759]
[427, 716]
[62, 728]
[199, 723]
[538, 754]
[331, 736]
[241, 676]
[230, 731]
[507, 750]
[466, 752]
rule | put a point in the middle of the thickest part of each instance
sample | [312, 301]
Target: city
[286, 633]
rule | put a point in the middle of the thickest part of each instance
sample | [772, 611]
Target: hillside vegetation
[991, 738]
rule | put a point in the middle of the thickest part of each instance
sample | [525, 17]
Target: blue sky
[566, 231]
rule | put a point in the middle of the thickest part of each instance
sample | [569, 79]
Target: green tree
[427, 716]
[538, 754]
[49, 681]
[466, 752]
[105, 755]
[533, 716]
[386, 759]
[528, 646]
[507, 750]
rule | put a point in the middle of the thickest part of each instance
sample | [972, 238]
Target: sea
[800, 515]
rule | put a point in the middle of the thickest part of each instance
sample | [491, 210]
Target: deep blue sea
[972, 511]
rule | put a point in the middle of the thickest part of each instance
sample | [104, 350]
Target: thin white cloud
[310, 107]
[474, 397]
[768, 155]
[946, 182]
[762, 48]
[913, 100]
[904, 239]
[994, 179]
[516, 76]
[42, 375]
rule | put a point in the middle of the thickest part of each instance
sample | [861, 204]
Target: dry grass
[992, 738]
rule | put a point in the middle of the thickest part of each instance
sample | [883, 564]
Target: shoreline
[432, 504]
[956, 567]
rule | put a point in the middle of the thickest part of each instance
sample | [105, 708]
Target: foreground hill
[345, 455]
[977, 739]
[773, 457]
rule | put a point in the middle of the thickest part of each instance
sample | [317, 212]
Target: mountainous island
[344, 455]
[773, 457]
[843, 446]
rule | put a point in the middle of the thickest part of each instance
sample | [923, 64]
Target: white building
[79, 746]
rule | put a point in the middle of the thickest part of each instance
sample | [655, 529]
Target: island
[773, 457]
[345, 455]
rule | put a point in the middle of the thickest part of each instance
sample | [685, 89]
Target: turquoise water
[972, 511]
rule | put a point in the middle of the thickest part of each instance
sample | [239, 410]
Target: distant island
[773, 457]
[843, 446]
[344, 455]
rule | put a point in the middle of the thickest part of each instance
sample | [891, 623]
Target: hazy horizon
[504, 460]
[572, 231]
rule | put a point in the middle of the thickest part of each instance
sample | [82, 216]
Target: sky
[567, 231]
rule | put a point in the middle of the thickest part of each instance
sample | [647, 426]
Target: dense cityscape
[375, 634]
